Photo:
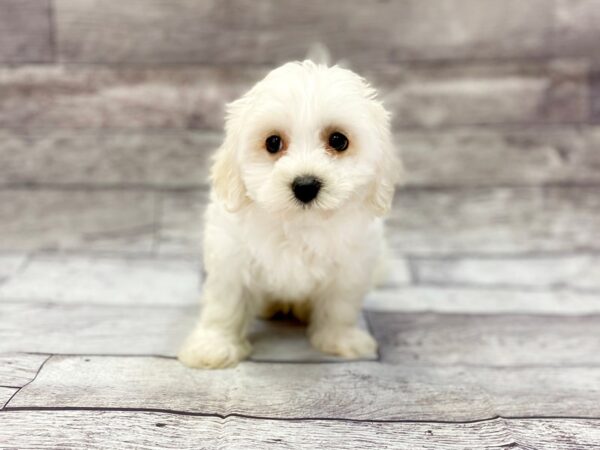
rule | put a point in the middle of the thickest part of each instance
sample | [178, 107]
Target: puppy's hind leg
[219, 339]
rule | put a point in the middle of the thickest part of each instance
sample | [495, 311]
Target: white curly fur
[263, 250]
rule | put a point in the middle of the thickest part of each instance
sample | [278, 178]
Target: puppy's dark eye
[338, 141]
[274, 143]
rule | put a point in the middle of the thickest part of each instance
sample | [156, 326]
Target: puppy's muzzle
[306, 188]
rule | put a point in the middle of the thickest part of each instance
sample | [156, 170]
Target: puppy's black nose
[306, 188]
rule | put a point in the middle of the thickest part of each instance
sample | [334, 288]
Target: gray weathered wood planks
[108, 113]
[126, 329]
[420, 96]
[447, 95]
[430, 222]
[453, 221]
[17, 369]
[577, 28]
[81, 219]
[128, 97]
[469, 221]
[328, 390]
[490, 339]
[495, 220]
[180, 225]
[25, 31]
[130, 329]
[180, 158]
[574, 271]
[406, 338]
[6, 393]
[180, 31]
[479, 156]
[482, 300]
[125, 429]
[89, 329]
[106, 280]
[166, 158]
[595, 96]
[263, 390]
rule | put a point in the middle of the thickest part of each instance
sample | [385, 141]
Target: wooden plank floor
[87, 360]
[489, 326]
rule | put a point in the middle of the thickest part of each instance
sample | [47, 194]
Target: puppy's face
[307, 137]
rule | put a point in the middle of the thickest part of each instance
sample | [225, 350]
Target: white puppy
[301, 181]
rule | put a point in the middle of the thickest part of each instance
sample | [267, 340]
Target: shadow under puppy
[300, 184]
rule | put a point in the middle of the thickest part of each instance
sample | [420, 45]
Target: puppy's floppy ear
[225, 172]
[389, 167]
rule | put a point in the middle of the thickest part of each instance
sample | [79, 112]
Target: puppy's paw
[349, 342]
[212, 349]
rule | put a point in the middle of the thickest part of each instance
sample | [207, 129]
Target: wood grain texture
[80, 219]
[180, 31]
[419, 95]
[17, 369]
[577, 28]
[25, 31]
[6, 394]
[106, 280]
[155, 430]
[430, 96]
[490, 340]
[180, 158]
[477, 156]
[495, 220]
[576, 271]
[121, 280]
[122, 329]
[119, 329]
[575, 434]
[271, 390]
[474, 300]
[173, 158]
[108, 429]
[434, 222]
[93, 329]
[105, 97]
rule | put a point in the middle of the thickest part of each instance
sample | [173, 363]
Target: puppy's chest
[293, 266]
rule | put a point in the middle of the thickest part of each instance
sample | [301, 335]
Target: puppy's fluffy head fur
[303, 104]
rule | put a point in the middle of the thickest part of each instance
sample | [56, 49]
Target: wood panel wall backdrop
[489, 326]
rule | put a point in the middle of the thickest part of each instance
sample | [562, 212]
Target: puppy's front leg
[333, 324]
[219, 340]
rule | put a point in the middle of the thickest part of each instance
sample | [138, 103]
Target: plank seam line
[174, 358]
[541, 58]
[50, 255]
[417, 257]
[330, 361]
[375, 309]
[286, 419]
[213, 132]
[487, 256]
[28, 383]
[72, 305]
[469, 286]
